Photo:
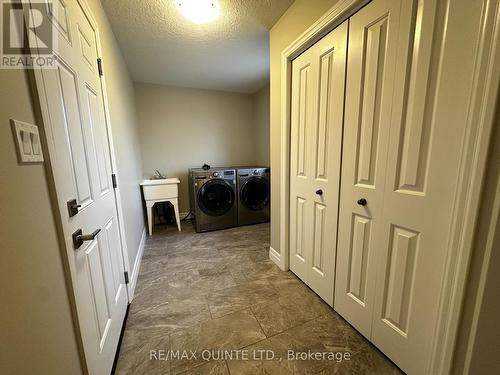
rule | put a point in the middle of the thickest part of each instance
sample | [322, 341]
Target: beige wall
[261, 123]
[182, 128]
[37, 331]
[125, 132]
[297, 19]
[37, 334]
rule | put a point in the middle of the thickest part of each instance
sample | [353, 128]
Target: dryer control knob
[216, 174]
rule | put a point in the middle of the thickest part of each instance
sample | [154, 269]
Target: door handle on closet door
[319, 192]
[362, 202]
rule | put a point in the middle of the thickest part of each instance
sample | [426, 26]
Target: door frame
[39, 96]
[480, 121]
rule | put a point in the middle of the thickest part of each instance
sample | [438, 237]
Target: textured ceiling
[161, 46]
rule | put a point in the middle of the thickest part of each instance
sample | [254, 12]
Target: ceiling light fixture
[199, 11]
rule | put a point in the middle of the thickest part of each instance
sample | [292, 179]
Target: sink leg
[175, 203]
[149, 209]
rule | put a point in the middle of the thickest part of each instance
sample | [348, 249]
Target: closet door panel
[411, 221]
[330, 59]
[432, 98]
[317, 118]
[373, 40]
[300, 164]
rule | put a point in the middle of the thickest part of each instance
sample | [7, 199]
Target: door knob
[362, 202]
[319, 192]
[79, 238]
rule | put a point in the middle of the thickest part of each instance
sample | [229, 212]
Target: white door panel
[81, 162]
[302, 104]
[318, 77]
[373, 40]
[421, 176]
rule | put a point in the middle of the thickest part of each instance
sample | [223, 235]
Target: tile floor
[215, 293]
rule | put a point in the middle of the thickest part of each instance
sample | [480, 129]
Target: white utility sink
[161, 181]
[161, 190]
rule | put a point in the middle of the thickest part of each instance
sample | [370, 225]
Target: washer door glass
[254, 194]
[216, 197]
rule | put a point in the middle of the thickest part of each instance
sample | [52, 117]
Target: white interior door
[373, 42]
[422, 169]
[80, 157]
[317, 103]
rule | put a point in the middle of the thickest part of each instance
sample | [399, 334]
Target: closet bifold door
[431, 103]
[408, 91]
[317, 103]
[373, 42]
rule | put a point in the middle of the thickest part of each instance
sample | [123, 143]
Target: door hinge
[126, 277]
[99, 66]
[113, 178]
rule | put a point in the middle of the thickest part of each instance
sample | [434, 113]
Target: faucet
[158, 175]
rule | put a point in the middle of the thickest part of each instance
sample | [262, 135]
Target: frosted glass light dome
[199, 11]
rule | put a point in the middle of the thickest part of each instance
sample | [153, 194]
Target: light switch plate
[27, 139]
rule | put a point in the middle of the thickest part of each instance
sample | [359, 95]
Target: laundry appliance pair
[227, 197]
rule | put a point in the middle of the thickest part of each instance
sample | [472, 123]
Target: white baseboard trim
[276, 258]
[137, 266]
